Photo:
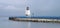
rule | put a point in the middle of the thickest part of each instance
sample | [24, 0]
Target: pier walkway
[36, 20]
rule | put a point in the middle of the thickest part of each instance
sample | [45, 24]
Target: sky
[37, 7]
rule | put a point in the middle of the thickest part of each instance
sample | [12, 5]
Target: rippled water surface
[5, 23]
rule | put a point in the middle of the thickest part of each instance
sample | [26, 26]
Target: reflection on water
[5, 23]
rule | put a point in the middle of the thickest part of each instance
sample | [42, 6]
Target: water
[5, 23]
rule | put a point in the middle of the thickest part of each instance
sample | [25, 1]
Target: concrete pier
[35, 20]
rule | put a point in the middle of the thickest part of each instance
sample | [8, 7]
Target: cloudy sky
[38, 7]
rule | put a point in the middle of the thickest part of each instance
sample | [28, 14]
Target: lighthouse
[27, 11]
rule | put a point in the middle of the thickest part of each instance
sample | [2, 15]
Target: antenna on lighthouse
[27, 9]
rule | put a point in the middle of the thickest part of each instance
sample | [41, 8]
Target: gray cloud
[11, 7]
[46, 7]
[38, 7]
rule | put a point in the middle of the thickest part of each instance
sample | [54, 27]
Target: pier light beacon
[27, 11]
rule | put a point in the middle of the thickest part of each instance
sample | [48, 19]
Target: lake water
[5, 23]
